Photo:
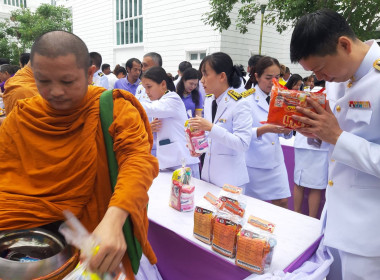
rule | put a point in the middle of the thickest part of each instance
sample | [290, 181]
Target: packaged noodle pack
[226, 228]
[283, 104]
[204, 215]
[255, 245]
[196, 140]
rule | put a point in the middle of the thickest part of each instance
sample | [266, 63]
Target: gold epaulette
[376, 64]
[248, 92]
[101, 74]
[234, 94]
[209, 95]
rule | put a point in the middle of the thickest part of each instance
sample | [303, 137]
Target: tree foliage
[18, 33]
[363, 16]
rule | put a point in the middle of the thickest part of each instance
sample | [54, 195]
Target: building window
[16, 3]
[129, 22]
[196, 55]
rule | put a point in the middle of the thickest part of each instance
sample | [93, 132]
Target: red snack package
[283, 104]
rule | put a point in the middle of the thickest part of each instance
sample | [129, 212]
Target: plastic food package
[204, 215]
[232, 202]
[182, 175]
[76, 235]
[283, 104]
[255, 249]
[182, 194]
[262, 224]
[182, 197]
[196, 140]
[226, 228]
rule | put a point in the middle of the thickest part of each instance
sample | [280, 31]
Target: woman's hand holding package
[199, 123]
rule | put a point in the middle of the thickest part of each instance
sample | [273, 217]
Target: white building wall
[175, 28]
[242, 46]
[93, 22]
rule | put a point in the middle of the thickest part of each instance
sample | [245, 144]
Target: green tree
[363, 16]
[18, 33]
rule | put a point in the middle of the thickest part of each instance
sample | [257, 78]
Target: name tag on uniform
[359, 104]
[222, 120]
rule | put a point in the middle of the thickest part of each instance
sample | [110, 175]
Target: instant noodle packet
[226, 228]
[254, 249]
[283, 103]
[204, 215]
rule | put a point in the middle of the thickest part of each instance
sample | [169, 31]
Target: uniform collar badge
[351, 81]
[222, 120]
[376, 64]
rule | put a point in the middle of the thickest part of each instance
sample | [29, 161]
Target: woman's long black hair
[189, 74]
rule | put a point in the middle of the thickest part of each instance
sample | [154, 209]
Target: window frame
[123, 21]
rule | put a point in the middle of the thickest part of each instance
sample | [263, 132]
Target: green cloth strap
[134, 249]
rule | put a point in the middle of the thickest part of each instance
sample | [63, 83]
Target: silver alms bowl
[32, 253]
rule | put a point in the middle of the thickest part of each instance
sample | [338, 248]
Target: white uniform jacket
[353, 191]
[100, 79]
[228, 140]
[141, 94]
[264, 152]
[170, 109]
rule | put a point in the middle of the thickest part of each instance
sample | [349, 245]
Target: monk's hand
[156, 125]
[322, 123]
[199, 123]
[112, 244]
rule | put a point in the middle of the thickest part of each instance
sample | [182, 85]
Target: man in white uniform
[324, 43]
[99, 79]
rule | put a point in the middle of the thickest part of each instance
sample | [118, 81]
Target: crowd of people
[54, 158]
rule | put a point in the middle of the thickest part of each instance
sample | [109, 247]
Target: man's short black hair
[129, 63]
[156, 57]
[4, 60]
[24, 59]
[184, 65]
[317, 34]
[105, 66]
[96, 59]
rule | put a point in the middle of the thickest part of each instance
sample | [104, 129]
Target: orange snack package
[232, 189]
[225, 234]
[252, 251]
[262, 224]
[283, 104]
[204, 214]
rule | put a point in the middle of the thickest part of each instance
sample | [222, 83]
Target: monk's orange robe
[20, 86]
[55, 160]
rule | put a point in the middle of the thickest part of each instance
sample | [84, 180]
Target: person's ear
[256, 77]
[345, 44]
[223, 77]
[90, 74]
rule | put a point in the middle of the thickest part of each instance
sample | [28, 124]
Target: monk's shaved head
[61, 43]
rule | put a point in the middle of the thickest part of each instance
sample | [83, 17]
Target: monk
[20, 86]
[53, 156]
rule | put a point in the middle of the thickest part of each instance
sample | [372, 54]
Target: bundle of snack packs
[182, 193]
[283, 104]
[196, 140]
[219, 221]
